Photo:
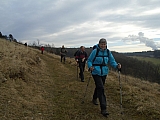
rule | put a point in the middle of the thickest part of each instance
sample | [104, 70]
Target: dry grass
[140, 98]
[40, 87]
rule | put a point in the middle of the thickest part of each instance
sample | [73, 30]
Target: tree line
[9, 37]
[155, 54]
[138, 68]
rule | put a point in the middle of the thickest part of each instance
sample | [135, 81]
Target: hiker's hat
[102, 40]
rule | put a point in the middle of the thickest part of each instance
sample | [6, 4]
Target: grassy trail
[67, 93]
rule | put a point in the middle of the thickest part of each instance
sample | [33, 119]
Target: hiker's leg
[64, 58]
[95, 90]
[83, 66]
[94, 99]
[95, 93]
[103, 80]
[81, 71]
[61, 57]
[100, 91]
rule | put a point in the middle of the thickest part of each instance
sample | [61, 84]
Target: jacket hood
[97, 46]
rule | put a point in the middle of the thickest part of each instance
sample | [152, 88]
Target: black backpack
[76, 53]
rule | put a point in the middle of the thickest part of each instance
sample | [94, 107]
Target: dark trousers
[41, 51]
[63, 58]
[81, 67]
[99, 90]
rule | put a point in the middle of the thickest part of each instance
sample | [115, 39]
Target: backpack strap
[97, 51]
[100, 56]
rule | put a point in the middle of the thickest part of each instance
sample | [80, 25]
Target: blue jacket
[101, 70]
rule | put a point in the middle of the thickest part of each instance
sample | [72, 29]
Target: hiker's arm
[90, 59]
[112, 61]
[61, 51]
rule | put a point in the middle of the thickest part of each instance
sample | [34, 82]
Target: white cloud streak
[148, 42]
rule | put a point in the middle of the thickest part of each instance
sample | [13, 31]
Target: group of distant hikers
[97, 63]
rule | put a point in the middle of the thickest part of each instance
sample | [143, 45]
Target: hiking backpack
[75, 53]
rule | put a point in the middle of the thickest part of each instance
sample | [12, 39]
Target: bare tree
[34, 44]
[0, 34]
[11, 37]
[38, 41]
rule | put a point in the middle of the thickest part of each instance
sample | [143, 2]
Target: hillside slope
[39, 87]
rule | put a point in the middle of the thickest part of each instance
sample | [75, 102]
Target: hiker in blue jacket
[97, 64]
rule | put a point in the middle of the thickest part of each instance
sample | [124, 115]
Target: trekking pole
[86, 89]
[77, 71]
[120, 87]
[77, 68]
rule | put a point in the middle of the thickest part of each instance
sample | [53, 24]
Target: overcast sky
[128, 25]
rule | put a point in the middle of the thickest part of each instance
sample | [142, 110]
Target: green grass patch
[155, 61]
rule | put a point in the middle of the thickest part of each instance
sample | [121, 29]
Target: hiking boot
[104, 113]
[94, 101]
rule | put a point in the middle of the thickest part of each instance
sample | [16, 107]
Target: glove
[83, 59]
[91, 69]
[119, 67]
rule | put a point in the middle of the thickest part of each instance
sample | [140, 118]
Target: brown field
[39, 87]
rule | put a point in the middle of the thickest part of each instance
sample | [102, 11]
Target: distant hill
[39, 87]
[155, 61]
[155, 54]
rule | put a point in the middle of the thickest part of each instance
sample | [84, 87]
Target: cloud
[130, 48]
[148, 42]
[76, 22]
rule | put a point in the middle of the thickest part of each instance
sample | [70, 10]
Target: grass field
[148, 59]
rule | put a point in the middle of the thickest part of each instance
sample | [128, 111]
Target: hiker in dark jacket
[63, 54]
[97, 64]
[81, 58]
